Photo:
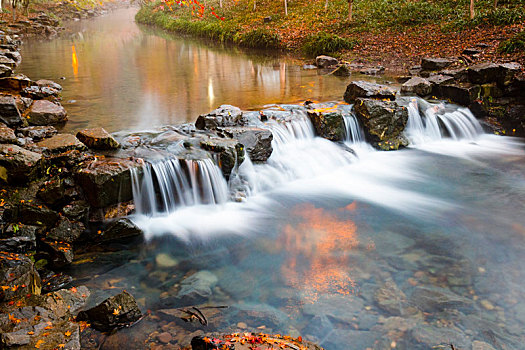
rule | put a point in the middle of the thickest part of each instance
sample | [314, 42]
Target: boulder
[122, 229]
[508, 74]
[7, 135]
[434, 64]
[382, 120]
[417, 86]
[18, 165]
[459, 74]
[48, 83]
[9, 113]
[16, 82]
[97, 138]
[56, 192]
[462, 93]
[77, 211]
[61, 143]
[328, 123]
[358, 89]
[324, 61]
[39, 92]
[19, 275]
[256, 141]
[37, 133]
[483, 73]
[230, 152]
[31, 214]
[116, 312]
[5, 71]
[107, 181]
[66, 231]
[9, 62]
[44, 112]
[224, 116]
[21, 245]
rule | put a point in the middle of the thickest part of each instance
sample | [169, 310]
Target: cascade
[171, 183]
[354, 134]
[429, 122]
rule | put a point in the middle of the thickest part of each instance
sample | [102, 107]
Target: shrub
[258, 38]
[326, 43]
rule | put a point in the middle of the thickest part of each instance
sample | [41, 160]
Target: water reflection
[317, 245]
[126, 77]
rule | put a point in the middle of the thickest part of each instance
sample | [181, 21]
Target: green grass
[326, 43]
[514, 44]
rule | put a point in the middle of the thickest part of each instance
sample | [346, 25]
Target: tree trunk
[254, 5]
[495, 4]
[350, 10]
[326, 5]
[220, 4]
[472, 9]
[286, 7]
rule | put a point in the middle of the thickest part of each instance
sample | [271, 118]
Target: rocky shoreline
[63, 192]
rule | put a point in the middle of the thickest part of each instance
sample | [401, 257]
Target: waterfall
[354, 134]
[171, 183]
[432, 122]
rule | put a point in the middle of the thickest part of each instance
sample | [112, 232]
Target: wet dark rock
[77, 211]
[432, 299]
[19, 274]
[418, 86]
[483, 73]
[120, 230]
[39, 93]
[18, 245]
[358, 89]
[373, 70]
[9, 62]
[433, 337]
[16, 82]
[230, 152]
[224, 116]
[97, 138]
[415, 70]
[116, 312]
[49, 83]
[509, 73]
[9, 113]
[71, 161]
[328, 123]
[390, 298]
[433, 64]
[197, 288]
[337, 308]
[18, 165]
[60, 253]
[5, 71]
[440, 79]
[7, 135]
[22, 231]
[44, 112]
[61, 143]
[463, 93]
[324, 61]
[343, 70]
[54, 192]
[107, 181]
[257, 141]
[52, 282]
[382, 120]
[66, 231]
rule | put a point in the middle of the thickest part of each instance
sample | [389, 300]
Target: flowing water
[347, 246]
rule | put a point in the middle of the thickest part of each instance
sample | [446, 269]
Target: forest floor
[395, 34]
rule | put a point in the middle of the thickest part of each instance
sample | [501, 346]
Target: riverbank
[393, 35]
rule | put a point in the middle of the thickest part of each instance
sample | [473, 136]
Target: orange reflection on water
[316, 248]
[74, 60]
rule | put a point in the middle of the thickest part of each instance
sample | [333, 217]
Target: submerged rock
[97, 138]
[358, 89]
[432, 299]
[18, 165]
[383, 120]
[116, 312]
[197, 288]
[44, 112]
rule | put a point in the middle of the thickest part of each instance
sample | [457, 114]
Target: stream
[353, 250]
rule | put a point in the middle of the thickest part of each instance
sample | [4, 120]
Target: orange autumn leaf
[39, 343]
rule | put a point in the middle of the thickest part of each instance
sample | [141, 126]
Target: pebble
[164, 260]
[164, 338]
[242, 325]
[487, 305]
